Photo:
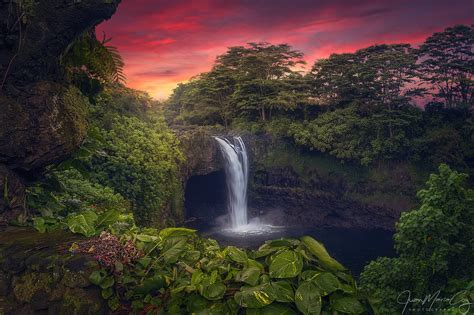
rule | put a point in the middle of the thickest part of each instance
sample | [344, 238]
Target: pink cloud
[167, 42]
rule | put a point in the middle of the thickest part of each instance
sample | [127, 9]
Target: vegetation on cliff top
[360, 106]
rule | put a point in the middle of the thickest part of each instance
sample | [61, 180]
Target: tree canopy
[362, 106]
[447, 65]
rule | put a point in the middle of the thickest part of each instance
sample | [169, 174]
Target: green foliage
[91, 63]
[251, 81]
[117, 100]
[434, 243]
[355, 106]
[140, 161]
[184, 274]
[447, 65]
[75, 203]
[360, 132]
[447, 138]
[129, 160]
[379, 73]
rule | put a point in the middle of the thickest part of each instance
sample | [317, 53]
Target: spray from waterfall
[236, 169]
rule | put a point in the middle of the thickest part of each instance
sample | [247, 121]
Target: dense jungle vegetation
[363, 106]
[122, 186]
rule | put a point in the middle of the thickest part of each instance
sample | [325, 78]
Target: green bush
[434, 243]
[75, 203]
[360, 132]
[140, 161]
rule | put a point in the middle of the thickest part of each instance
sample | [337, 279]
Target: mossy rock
[38, 273]
[28, 285]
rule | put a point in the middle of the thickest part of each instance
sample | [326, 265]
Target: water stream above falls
[218, 202]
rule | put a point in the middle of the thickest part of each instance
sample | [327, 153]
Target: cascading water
[236, 169]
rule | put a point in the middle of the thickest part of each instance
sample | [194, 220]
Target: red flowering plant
[109, 251]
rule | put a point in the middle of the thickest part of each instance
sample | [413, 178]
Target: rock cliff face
[308, 188]
[38, 275]
[200, 150]
[317, 190]
[42, 119]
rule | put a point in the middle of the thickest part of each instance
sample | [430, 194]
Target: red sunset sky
[166, 42]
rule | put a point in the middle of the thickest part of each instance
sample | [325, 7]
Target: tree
[360, 132]
[434, 243]
[204, 100]
[250, 81]
[447, 64]
[380, 73]
[333, 80]
[259, 70]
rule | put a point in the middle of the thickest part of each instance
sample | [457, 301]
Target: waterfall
[236, 169]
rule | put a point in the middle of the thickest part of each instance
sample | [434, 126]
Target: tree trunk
[262, 114]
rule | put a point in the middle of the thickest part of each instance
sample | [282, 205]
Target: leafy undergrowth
[173, 271]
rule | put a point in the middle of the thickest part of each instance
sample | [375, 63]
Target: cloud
[166, 42]
[158, 73]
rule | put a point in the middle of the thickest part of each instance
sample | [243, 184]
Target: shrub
[141, 160]
[435, 246]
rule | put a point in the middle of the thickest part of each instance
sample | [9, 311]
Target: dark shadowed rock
[43, 128]
[200, 150]
[38, 275]
[308, 188]
[12, 198]
[42, 117]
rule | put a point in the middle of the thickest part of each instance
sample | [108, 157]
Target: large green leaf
[196, 303]
[309, 275]
[327, 282]
[175, 232]
[39, 224]
[254, 263]
[197, 277]
[266, 250]
[82, 223]
[173, 248]
[249, 275]
[107, 282]
[191, 256]
[255, 297]
[272, 309]
[214, 291]
[308, 299]
[236, 254]
[286, 264]
[107, 218]
[97, 276]
[346, 304]
[150, 285]
[318, 250]
[283, 242]
[146, 238]
[283, 291]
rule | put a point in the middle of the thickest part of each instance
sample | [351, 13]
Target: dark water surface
[354, 248]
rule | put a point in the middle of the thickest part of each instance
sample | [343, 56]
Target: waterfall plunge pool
[354, 248]
[218, 204]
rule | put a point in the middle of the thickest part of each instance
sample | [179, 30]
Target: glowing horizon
[165, 43]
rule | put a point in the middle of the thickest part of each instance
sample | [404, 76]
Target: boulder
[38, 274]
